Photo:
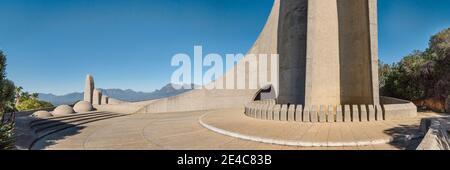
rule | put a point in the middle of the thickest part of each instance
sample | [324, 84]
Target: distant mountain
[59, 100]
[125, 95]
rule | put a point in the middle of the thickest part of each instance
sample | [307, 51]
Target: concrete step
[43, 127]
[40, 122]
[61, 127]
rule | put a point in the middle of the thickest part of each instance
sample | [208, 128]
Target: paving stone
[276, 112]
[379, 113]
[291, 113]
[371, 112]
[313, 114]
[253, 111]
[299, 113]
[270, 111]
[355, 113]
[331, 114]
[258, 111]
[264, 112]
[339, 114]
[363, 113]
[322, 114]
[306, 114]
[283, 113]
[347, 113]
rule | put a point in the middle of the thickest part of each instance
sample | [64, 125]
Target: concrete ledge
[437, 137]
[391, 109]
[397, 109]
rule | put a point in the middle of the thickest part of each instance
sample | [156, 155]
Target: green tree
[7, 87]
[7, 95]
[29, 101]
[440, 53]
[422, 74]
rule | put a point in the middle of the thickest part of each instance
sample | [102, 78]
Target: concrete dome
[42, 114]
[62, 110]
[83, 106]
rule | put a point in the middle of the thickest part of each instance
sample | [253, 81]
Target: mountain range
[124, 95]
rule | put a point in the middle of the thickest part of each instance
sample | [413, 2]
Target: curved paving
[178, 130]
[234, 123]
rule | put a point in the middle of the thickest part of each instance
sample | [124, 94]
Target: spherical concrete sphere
[83, 106]
[62, 110]
[42, 114]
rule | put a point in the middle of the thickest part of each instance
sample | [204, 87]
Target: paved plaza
[182, 130]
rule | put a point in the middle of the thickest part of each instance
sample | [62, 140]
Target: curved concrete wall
[390, 109]
[203, 99]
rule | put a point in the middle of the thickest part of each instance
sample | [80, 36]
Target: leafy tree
[7, 97]
[26, 101]
[6, 105]
[422, 74]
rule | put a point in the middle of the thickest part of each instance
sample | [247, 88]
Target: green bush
[32, 104]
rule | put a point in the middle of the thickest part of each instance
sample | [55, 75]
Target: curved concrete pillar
[104, 99]
[89, 89]
[97, 97]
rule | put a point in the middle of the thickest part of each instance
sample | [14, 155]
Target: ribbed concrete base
[235, 124]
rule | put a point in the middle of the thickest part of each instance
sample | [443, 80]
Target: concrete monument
[42, 114]
[88, 89]
[82, 107]
[97, 97]
[104, 99]
[62, 110]
[328, 52]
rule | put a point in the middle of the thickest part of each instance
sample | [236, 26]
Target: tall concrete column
[359, 71]
[373, 27]
[89, 89]
[292, 31]
[322, 68]
[97, 97]
[328, 52]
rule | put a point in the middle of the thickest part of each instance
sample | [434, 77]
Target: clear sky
[52, 44]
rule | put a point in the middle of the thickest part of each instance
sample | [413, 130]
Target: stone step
[62, 117]
[65, 118]
[42, 127]
[62, 126]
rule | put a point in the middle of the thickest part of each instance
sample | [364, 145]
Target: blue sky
[52, 44]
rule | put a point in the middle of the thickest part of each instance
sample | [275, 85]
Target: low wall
[201, 99]
[123, 107]
[437, 137]
[397, 109]
[268, 110]
[390, 109]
